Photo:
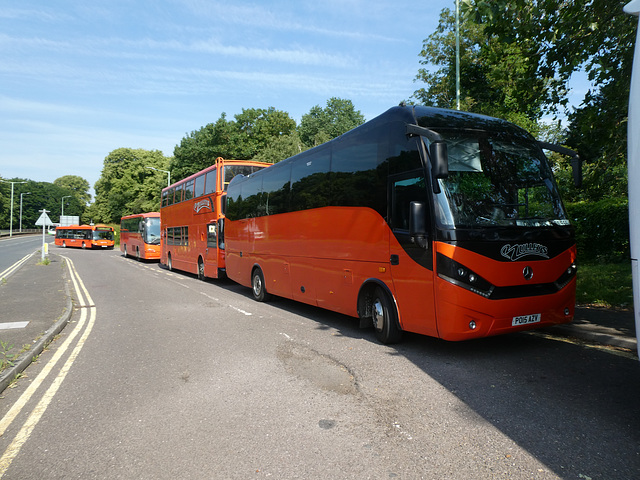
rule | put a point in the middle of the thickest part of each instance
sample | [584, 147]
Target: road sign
[44, 220]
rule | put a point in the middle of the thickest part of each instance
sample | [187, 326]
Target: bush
[602, 229]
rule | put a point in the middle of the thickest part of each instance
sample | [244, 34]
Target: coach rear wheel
[258, 287]
[169, 263]
[125, 251]
[138, 253]
[383, 314]
[84, 245]
[64, 244]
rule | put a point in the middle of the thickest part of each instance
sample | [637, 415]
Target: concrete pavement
[36, 304]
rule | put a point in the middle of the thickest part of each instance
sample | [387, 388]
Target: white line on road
[12, 325]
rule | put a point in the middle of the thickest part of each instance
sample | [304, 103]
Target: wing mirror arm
[576, 161]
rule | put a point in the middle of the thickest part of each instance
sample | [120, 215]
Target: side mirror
[439, 160]
[418, 223]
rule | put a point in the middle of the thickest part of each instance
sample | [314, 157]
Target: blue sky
[79, 79]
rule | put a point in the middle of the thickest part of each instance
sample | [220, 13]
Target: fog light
[472, 325]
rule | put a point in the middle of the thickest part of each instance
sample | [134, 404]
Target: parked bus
[85, 236]
[140, 236]
[438, 222]
[192, 220]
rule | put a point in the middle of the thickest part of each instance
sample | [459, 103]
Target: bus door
[211, 260]
[411, 260]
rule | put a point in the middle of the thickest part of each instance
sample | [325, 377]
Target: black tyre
[138, 254]
[385, 318]
[125, 251]
[258, 286]
[169, 263]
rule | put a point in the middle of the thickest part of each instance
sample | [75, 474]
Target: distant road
[14, 248]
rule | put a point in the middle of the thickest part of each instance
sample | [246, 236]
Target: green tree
[496, 78]
[562, 38]
[243, 138]
[323, 124]
[37, 196]
[127, 185]
[78, 185]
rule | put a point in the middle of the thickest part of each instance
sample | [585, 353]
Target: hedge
[602, 229]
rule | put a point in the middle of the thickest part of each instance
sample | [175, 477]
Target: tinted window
[359, 171]
[310, 182]
[275, 188]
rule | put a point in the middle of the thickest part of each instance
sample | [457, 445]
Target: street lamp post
[27, 193]
[165, 171]
[11, 214]
[62, 206]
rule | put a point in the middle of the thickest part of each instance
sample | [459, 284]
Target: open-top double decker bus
[85, 236]
[140, 236]
[192, 220]
[432, 221]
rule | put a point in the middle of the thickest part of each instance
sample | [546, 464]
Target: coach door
[411, 259]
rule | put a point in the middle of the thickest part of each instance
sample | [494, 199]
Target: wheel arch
[365, 298]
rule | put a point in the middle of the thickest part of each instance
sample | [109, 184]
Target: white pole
[44, 213]
[633, 164]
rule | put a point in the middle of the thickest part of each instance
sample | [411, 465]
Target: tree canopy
[35, 197]
[560, 39]
[127, 185]
[78, 185]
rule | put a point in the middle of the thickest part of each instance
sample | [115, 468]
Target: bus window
[310, 182]
[210, 185]
[199, 186]
[188, 190]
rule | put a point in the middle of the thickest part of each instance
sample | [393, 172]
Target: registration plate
[525, 319]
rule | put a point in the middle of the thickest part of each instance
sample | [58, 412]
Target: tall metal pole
[62, 206]
[11, 214]
[165, 171]
[458, 54]
[28, 193]
[633, 165]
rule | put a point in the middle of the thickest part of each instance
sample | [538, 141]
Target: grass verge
[605, 285]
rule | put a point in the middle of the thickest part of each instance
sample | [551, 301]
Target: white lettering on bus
[206, 203]
[516, 252]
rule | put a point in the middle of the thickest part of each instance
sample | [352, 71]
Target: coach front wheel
[385, 319]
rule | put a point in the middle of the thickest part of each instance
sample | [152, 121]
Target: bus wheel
[200, 269]
[257, 286]
[84, 245]
[125, 251]
[169, 263]
[138, 253]
[64, 244]
[383, 314]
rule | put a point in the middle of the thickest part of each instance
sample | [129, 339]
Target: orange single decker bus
[140, 236]
[85, 236]
[192, 220]
[432, 221]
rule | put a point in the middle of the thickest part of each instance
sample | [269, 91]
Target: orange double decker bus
[140, 236]
[85, 236]
[432, 221]
[192, 220]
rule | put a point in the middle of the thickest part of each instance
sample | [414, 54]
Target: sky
[79, 79]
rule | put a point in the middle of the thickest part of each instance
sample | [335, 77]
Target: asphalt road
[169, 377]
[14, 248]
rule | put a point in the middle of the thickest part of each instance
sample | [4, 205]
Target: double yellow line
[87, 317]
